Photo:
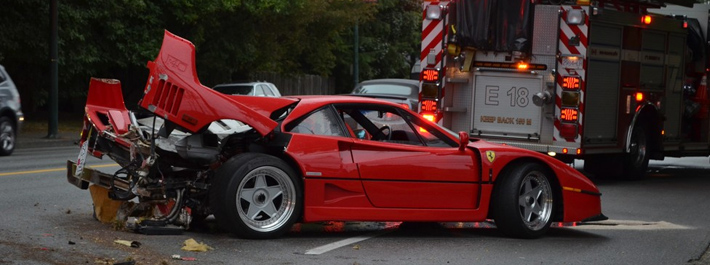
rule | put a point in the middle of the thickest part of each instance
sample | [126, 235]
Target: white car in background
[259, 89]
[11, 116]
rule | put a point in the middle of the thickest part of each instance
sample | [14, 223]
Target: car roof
[398, 81]
[308, 103]
[243, 84]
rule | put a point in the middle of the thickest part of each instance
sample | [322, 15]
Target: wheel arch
[219, 193]
[558, 206]
[7, 112]
[647, 115]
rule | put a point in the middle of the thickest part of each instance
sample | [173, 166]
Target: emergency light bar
[517, 66]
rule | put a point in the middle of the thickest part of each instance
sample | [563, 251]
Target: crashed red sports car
[260, 164]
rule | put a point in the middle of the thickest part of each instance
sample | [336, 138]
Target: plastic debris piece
[133, 244]
[104, 207]
[72, 243]
[192, 245]
[176, 256]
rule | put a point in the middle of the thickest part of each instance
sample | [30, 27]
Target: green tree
[234, 39]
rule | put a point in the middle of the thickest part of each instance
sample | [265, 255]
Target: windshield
[384, 89]
[234, 89]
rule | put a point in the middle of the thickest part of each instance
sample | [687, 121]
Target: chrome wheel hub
[266, 199]
[535, 201]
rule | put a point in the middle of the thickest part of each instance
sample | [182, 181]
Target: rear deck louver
[168, 97]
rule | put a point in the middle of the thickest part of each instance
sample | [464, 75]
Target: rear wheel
[523, 202]
[256, 196]
[636, 161]
[7, 136]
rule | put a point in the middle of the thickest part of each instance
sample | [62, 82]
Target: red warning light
[429, 105]
[646, 19]
[569, 115]
[570, 82]
[430, 75]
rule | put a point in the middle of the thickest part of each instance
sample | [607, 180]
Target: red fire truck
[604, 81]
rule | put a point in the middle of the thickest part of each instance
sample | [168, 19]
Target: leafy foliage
[234, 39]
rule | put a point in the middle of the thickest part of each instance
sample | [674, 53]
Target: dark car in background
[11, 116]
[401, 91]
[259, 89]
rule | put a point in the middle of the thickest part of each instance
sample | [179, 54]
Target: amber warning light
[430, 75]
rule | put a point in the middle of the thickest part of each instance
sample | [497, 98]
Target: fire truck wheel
[523, 201]
[256, 196]
[636, 161]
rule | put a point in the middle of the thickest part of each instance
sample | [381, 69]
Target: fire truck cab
[603, 81]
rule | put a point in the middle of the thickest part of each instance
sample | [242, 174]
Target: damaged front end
[167, 152]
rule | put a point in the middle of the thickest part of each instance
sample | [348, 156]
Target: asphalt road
[660, 220]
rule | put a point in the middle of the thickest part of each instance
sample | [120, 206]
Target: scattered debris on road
[192, 245]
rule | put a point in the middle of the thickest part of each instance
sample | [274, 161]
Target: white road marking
[629, 225]
[342, 243]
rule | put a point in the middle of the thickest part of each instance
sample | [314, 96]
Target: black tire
[8, 137]
[636, 161]
[607, 166]
[256, 196]
[523, 201]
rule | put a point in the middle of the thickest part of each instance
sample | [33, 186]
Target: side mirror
[463, 140]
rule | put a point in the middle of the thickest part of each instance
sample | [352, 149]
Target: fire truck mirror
[541, 98]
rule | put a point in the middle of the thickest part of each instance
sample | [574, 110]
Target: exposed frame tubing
[632, 125]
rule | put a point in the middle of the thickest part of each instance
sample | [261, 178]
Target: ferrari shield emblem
[491, 155]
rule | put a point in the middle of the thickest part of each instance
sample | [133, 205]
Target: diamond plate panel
[545, 27]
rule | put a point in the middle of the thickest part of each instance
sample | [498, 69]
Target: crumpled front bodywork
[167, 156]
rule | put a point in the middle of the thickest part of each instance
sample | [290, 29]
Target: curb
[37, 139]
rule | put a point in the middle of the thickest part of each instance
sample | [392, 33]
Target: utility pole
[356, 56]
[54, 75]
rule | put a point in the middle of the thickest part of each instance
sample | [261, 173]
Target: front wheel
[256, 196]
[523, 201]
[7, 136]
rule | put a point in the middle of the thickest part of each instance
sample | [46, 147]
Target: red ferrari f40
[261, 164]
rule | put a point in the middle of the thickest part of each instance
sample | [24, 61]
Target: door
[405, 162]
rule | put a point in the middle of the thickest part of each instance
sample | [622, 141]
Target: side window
[321, 122]
[379, 124]
[259, 91]
[429, 135]
[268, 91]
